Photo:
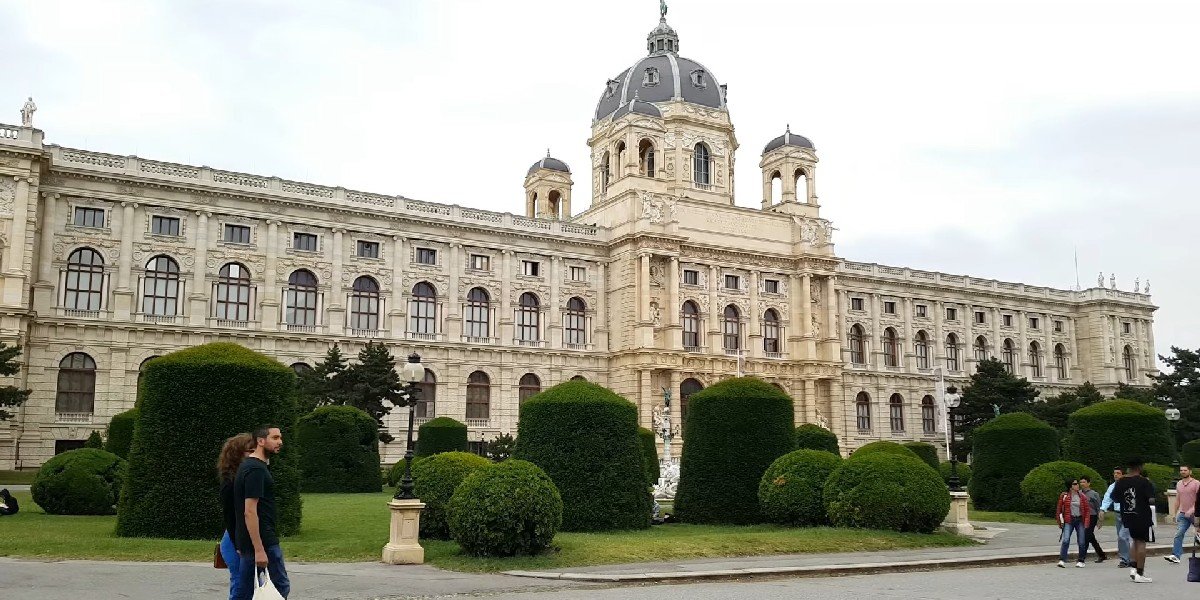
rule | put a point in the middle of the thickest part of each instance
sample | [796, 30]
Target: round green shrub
[1160, 476]
[1044, 484]
[790, 492]
[601, 473]
[396, 472]
[120, 432]
[883, 447]
[649, 454]
[1190, 454]
[924, 451]
[735, 429]
[1107, 434]
[886, 491]
[811, 436]
[192, 400]
[339, 450]
[507, 509]
[94, 441]
[963, 469]
[434, 481]
[442, 434]
[1003, 451]
[79, 482]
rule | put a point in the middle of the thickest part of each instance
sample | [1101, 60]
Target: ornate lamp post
[412, 373]
[668, 467]
[1172, 415]
[953, 400]
[403, 547]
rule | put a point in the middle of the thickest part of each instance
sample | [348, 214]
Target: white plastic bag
[264, 589]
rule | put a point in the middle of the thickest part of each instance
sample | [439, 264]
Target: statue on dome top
[662, 8]
[27, 111]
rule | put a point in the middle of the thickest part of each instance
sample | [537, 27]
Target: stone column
[601, 324]
[269, 313]
[936, 358]
[837, 409]
[123, 300]
[808, 400]
[645, 326]
[454, 295]
[44, 300]
[755, 337]
[335, 307]
[15, 277]
[396, 312]
[198, 299]
[907, 346]
[506, 313]
[554, 332]
[714, 312]
[1048, 348]
[674, 337]
[967, 346]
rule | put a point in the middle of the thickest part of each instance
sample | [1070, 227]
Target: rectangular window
[367, 249]
[1058, 326]
[980, 317]
[578, 274]
[89, 217]
[237, 234]
[1126, 327]
[922, 311]
[889, 307]
[305, 242]
[427, 256]
[1035, 323]
[531, 268]
[733, 282]
[481, 262]
[856, 304]
[691, 277]
[951, 314]
[771, 286]
[164, 225]
[1008, 320]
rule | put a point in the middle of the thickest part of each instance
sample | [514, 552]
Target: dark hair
[1135, 464]
[1085, 478]
[1122, 471]
[232, 454]
[262, 432]
[1068, 482]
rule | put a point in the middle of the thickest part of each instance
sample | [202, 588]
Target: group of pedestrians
[250, 545]
[1081, 510]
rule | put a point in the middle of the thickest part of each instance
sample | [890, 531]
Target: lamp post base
[956, 520]
[403, 547]
[1172, 507]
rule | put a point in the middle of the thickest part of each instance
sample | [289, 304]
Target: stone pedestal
[956, 520]
[1172, 506]
[403, 548]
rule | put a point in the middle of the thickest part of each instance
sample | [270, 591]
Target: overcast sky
[989, 138]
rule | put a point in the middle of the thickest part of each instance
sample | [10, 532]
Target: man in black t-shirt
[254, 493]
[1136, 495]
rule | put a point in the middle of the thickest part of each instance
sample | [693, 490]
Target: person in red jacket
[1074, 515]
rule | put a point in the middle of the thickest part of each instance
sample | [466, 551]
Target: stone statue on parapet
[1112, 280]
[1100, 279]
[662, 8]
[27, 111]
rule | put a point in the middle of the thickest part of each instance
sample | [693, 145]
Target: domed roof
[550, 163]
[789, 139]
[639, 107]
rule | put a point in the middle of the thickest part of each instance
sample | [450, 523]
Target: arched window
[575, 326]
[302, 298]
[1127, 355]
[427, 402]
[529, 318]
[980, 349]
[701, 163]
[691, 325]
[85, 280]
[801, 186]
[142, 370]
[554, 200]
[528, 387]
[891, 348]
[301, 368]
[364, 304]
[479, 395]
[1060, 361]
[233, 293]
[776, 188]
[922, 348]
[646, 157]
[687, 387]
[76, 393]
[579, 378]
[732, 328]
[1009, 356]
[952, 360]
[479, 321]
[858, 345]
[605, 172]
[1035, 359]
[928, 415]
[862, 411]
[422, 309]
[619, 171]
[160, 293]
[896, 412]
[771, 331]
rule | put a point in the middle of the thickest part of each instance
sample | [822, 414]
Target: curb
[818, 570]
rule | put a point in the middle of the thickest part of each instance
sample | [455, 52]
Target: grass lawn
[353, 527]
[16, 477]
[1009, 517]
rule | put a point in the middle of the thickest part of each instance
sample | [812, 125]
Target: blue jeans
[1184, 523]
[233, 560]
[247, 574]
[1122, 539]
[1073, 528]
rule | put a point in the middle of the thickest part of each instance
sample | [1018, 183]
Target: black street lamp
[412, 373]
[953, 399]
[1172, 415]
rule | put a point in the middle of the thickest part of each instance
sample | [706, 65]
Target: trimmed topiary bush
[886, 491]
[964, 473]
[884, 447]
[339, 450]
[434, 480]
[1190, 454]
[924, 451]
[1107, 434]
[790, 492]
[601, 473]
[442, 434]
[649, 454]
[94, 441]
[507, 509]
[1003, 451]
[811, 436]
[1160, 476]
[735, 429]
[79, 482]
[396, 473]
[192, 400]
[120, 432]
[1043, 485]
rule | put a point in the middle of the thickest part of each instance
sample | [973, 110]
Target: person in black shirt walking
[233, 453]
[1136, 495]
[257, 541]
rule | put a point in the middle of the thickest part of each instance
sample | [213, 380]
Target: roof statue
[662, 8]
[27, 113]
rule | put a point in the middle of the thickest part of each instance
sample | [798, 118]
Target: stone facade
[661, 283]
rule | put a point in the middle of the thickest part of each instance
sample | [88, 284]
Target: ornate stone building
[660, 283]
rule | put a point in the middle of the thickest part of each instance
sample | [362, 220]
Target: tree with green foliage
[1189, 454]
[811, 436]
[373, 385]
[924, 451]
[1006, 449]
[1137, 393]
[324, 385]
[441, 434]
[1108, 434]
[501, 448]
[993, 390]
[649, 454]
[120, 432]
[1056, 409]
[11, 396]
[94, 441]
[1180, 382]
[339, 451]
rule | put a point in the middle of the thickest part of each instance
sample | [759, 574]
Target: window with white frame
[367, 249]
[479, 321]
[889, 307]
[422, 309]
[578, 273]
[304, 242]
[84, 285]
[922, 311]
[691, 277]
[575, 322]
[771, 286]
[426, 256]
[481, 262]
[364, 304]
[86, 216]
[856, 304]
[951, 314]
[529, 318]
[301, 299]
[160, 225]
[233, 293]
[160, 293]
[733, 282]
[236, 234]
[531, 268]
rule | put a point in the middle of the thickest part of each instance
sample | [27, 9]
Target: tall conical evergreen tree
[993, 390]
[11, 396]
[325, 384]
[373, 384]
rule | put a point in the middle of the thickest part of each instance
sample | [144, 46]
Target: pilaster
[123, 293]
[270, 296]
[755, 338]
[198, 299]
[674, 331]
[396, 312]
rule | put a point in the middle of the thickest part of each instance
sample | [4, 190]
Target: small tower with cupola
[548, 189]
[789, 168]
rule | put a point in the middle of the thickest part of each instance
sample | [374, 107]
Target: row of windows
[922, 311]
[862, 412]
[922, 345]
[702, 167]
[731, 328]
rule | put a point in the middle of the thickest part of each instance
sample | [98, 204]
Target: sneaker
[1122, 564]
[1079, 565]
[1171, 558]
[1133, 573]
[1141, 579]
[1062, 565]
[1101, 559]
